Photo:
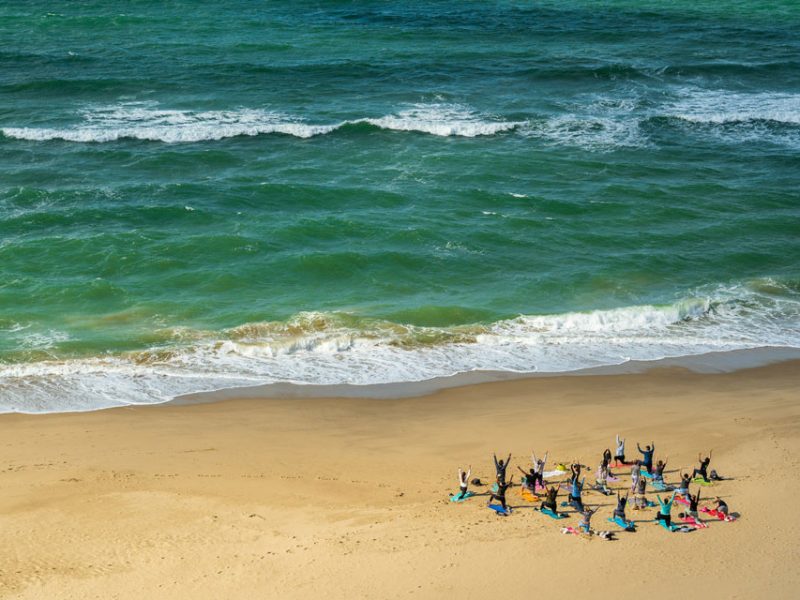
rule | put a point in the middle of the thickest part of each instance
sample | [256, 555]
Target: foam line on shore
[710, 363]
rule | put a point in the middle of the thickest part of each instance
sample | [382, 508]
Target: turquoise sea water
[200, 195]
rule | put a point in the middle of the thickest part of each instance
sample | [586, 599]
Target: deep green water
[195, 195]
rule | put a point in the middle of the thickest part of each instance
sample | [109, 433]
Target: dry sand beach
[347, 498]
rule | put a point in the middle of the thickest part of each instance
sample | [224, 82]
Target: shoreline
[708, 363]
[711, 362]
[347, 497]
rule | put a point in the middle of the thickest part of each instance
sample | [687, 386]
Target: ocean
[197, 196]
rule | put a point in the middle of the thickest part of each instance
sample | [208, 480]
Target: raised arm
[544, 460]
[521, 470]
[508, 460]
[638, 447]
[496, 465]
[469, 472]
[533, 457]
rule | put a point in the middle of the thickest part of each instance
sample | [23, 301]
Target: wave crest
[147, 123]
[592, 122]
[336, 348]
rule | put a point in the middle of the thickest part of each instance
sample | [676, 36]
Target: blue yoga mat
[626, 525]
[499, 510]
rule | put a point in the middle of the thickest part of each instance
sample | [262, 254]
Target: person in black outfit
[703, 470]
[550, 500]
[501, 467]
[500, 494]
[619, 512]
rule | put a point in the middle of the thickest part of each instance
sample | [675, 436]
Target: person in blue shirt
[665, 510]
[647, 454]
[575, 494]
[659, 472]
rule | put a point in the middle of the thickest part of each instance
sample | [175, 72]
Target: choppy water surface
[200, 196]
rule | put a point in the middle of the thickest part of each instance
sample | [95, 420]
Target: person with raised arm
[586, 519]
[665, 510]
[640, 501]
[683, 486]
[603, 474]
[501, 466]
[538, 468]
[647, 456]
[694, 501]
[549, 503]
[528, 480]
[620, 454]
[703, 470]
[658, 473]
[575, 470]
[463, 481]
[575, 499]
[636, 475]
[619, 511]
[500, 493]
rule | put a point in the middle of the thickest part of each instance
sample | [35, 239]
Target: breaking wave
[337, 348]
[148, 123]
[592, 122]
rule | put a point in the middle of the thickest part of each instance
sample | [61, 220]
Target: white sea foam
[738, 117]
[592, 122]
[172, 126]
[442, 120]
[589, 132]
[603, 123]
[148, 122]
[330, 349]
[721, 106]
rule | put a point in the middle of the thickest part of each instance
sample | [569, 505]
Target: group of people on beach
[534, 488]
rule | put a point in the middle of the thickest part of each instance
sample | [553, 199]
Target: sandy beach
[348, 498]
